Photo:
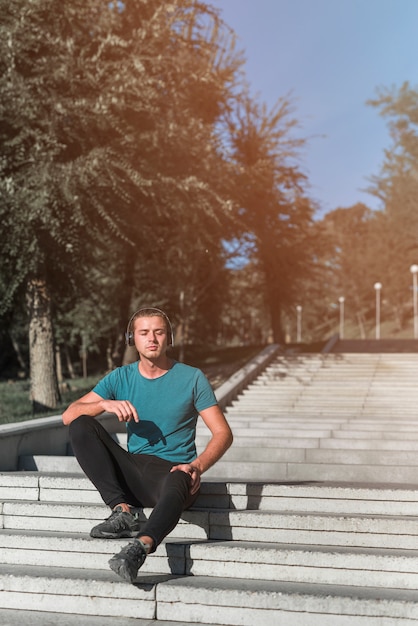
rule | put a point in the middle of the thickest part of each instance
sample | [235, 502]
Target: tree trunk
[276, 326]
[44, 387]
[109, 360]
[182, 329]
[84, 352]
[360, 320]
[122, 354]
[276, 321]
[62, 384]
[69, 363]
[58, 365]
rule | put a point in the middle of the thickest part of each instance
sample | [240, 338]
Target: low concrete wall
[45, 435]
[48, 435]
[230, 389]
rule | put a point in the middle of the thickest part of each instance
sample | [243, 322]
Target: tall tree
[396, 185]
[272, 205]
[353, 257]
[93, 138]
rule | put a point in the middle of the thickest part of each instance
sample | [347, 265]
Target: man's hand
[193, 472]
[92, 404]
[123, 409]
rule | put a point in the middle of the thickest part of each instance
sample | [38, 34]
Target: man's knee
[81, 426]
[180, 482]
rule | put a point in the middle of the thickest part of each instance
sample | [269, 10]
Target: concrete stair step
[77, 591]
[244, 441]
[201, 599]
[313, 408]
[72, 550]
[337, 472]
[296, 431]
[277, 463]
[278, 404]
[9, 617]
[227, 559]
[362, 531]
[316, 389]
[306, 564]
[367, 444]
[301, 526]
[76, 488]
[322, 455]
[244, 420]
[282, 470]
[334, 499]
[287, 432]
[307, 413]
[49, 463]
[80, 518]
[266, 455]
[370, 457]
[322, 413]
[327, 497]
[410, 435]
[273, 603]
[327, 395]
[275, 425]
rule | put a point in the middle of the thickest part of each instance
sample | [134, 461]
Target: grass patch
[16, 406]
[218, 365]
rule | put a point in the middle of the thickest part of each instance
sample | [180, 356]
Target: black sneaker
[118, 525]
[129, 560]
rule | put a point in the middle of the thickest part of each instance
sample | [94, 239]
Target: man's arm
[92, 404]
[219, 443]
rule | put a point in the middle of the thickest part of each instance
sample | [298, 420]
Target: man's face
[150, 336]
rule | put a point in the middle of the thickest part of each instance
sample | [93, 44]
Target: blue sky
[330, 56]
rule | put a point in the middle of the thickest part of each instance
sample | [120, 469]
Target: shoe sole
[119, 566]
[124, 534]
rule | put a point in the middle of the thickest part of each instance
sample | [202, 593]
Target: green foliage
[110, 147]
[397, 187]
[274, 211]
[101, 132]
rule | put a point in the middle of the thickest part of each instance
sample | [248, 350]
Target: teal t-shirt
[168, 408]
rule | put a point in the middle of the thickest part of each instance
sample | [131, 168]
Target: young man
[160, 400]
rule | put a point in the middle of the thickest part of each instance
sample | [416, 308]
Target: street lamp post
[298, 323]
[341, 300]
[414, 272]
[378, 287]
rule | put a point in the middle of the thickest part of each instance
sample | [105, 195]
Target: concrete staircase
[351, 417]
[311, 518]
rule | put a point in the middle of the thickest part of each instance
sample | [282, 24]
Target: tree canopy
[108, 136]
[273, 207]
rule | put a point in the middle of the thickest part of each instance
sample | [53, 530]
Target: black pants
[140, 480]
